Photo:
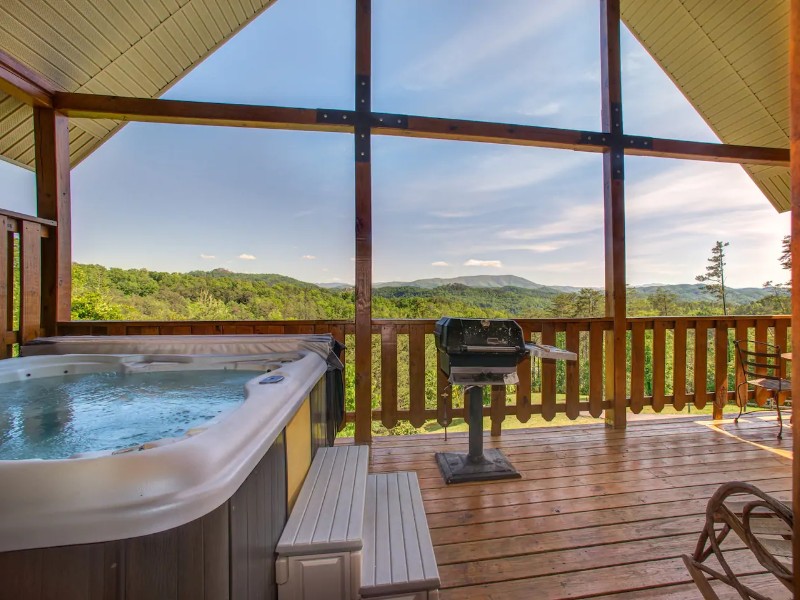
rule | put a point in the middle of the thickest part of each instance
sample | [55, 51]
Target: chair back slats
[763, 361]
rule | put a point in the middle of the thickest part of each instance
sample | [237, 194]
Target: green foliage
[663, 302]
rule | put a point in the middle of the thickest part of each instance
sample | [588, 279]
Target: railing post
[614, 211]
[51, 135]
[30, 281]
[6, 286]
[720, 368]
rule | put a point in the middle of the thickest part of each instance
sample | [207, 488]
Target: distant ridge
[478, 281]
[684, 291]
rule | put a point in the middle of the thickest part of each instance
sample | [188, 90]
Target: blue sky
[178, 198]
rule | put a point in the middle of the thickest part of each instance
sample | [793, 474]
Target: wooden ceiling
[728, 57]
[134, 48]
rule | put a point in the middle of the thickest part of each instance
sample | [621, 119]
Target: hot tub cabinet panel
[227, 554]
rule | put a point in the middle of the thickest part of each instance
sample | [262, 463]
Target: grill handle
[493, 349]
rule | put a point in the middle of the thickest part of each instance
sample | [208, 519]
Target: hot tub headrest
[325, 345]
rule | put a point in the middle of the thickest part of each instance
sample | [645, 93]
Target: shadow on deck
[598, 513]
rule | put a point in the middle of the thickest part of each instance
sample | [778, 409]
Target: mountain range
[684, 291]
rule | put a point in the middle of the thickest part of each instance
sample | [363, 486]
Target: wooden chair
[763, 369]
[763, 523]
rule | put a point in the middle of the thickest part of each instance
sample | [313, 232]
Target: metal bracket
[638, 141]
[362, 94]
[593, 138]
[389, 120]
[616, 118]
[336, 117]
[617, 163]
[362, 144]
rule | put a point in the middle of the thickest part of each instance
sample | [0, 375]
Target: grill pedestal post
[476, 465]
[475, 455]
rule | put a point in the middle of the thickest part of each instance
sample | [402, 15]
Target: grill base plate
[456, 468]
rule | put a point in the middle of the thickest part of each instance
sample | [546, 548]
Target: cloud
[308, 257]
[582, 218]
[246, 257]
[473, 262]
[452, 214]
[458, 55]
[440, 263]
[207, 256]
[545, 110]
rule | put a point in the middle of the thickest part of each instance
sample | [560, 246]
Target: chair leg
[699, 579]
[739, 401]
[780, 421]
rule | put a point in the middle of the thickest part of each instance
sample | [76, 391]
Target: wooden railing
[664, 368]
[21, 296]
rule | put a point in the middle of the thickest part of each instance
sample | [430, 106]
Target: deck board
[597, 514]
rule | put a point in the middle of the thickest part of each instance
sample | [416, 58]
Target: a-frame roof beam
[23, 83]
[274, 117]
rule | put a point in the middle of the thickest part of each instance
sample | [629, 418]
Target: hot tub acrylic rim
[138, 493]
[40, 367]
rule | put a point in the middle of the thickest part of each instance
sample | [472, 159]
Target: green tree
[664, 302]
[714, 277]
[786, 254]
[563, 306]
[590, 303]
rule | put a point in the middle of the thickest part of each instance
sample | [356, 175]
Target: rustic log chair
[763, 523]
[763, 369]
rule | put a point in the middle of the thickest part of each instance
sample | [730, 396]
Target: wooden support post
[51, 131]
[614, 211]
[794, 112]
[363, 288]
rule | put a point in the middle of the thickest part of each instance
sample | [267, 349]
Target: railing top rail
[173, 322]
[709, 318]
[29, 218]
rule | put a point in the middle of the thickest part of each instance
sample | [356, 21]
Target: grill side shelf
[547, 351]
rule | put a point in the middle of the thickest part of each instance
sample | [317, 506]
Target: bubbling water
[57, 417]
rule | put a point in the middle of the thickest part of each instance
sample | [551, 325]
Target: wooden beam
[363, 225]
[614, 211]
[794, 114]
[154, 110]
[51, 133]
[23, 83]
[487, 132]
[727, 153]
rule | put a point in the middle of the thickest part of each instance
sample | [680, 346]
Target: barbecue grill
[476, 353]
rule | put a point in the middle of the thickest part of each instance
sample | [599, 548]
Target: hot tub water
[57, 417]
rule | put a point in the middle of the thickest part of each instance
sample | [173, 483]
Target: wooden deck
[597, 514]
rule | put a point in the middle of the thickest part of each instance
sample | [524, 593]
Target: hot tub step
[398, 559]
[319, 552]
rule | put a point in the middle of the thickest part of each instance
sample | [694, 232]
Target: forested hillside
[102, 293]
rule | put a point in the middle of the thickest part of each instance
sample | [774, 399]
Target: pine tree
[664, 302]
[786, 254]
[714, 277]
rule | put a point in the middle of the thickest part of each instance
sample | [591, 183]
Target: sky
[180, 198]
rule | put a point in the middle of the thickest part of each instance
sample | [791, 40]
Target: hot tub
[194, 515]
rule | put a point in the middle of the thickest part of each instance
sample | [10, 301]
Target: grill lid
[479, 351]
[478, 336]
